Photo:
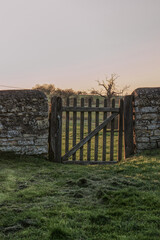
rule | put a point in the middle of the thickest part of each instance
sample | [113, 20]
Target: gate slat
[74, 126]
[81, 129]
[67, 129]
[112, 135]
[97, 135]
[89, 130]
[104, 133]
[120, 129]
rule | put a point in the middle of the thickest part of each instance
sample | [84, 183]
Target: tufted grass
[44, 200]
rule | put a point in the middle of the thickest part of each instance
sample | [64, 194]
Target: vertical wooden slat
[81, 128]
[89, 130]
[112, 135]
[67, 128]
[104, 133]
[97, 135]
[74, 127]
[128, 126]
[120, 129]
[55, 129]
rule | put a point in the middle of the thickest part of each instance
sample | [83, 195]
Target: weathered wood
[112, 135]
[89, 130]
[56, 129]
[67, 129]
[90, 162]
[81, 128]
[89, 136]
[90, 109]
[104, 133]
[51, 154]
[128, 126]
[97, 135]
[74, 126]
[120, 129]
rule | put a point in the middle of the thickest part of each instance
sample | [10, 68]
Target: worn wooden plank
[67, 129]
[89, 130]
[81, 128]
[90, 109]
[74, 126]
[97, 135]
[90, 162]
[120, 129]
[112, 135]
[104, 133]
[51, 154]
[56, 129]
[52, 132]
[89, 136]
[128, 126]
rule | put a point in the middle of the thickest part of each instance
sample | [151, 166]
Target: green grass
[44, 200]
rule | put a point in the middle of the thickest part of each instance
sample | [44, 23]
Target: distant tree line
[50, 91]
[108, 90]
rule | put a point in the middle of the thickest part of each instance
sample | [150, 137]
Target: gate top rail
[90, 109]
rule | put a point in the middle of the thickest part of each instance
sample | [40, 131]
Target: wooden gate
[69, 134]
[72, 131]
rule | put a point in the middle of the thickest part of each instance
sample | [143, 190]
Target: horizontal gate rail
[90, 135]
[90, 109]
[91, 162]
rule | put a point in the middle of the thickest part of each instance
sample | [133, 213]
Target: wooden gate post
[55, 129]
[120, 129]
[128, 126]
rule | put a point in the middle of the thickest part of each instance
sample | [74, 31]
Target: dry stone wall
[23, 122]
[147, 118]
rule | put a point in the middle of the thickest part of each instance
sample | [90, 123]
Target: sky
[74, 43]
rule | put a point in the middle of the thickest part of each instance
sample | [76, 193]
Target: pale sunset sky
[73, 43]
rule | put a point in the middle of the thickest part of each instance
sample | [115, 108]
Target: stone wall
[147, 118]
[23, 122]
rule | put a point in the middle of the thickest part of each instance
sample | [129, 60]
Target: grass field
[41, 200]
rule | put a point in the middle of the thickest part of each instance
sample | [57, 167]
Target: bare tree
[109, 88]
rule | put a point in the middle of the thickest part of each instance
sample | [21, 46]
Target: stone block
[147, 109]
[143, 146]
[152, 126]
[149, 116]
[41, 142]
[143, 139]
[157, 132]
